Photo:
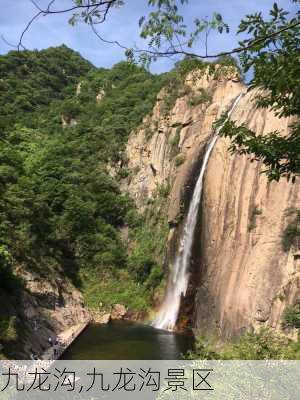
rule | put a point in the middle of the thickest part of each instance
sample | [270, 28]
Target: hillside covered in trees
[59, 205]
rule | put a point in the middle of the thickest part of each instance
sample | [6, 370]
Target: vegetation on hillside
[31, 80]
[64, 123]
[291, 316]
[141, 281]
[262, 345]
[270, 50]
[59, 208]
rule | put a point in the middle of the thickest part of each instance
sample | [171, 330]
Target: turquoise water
[123, 340]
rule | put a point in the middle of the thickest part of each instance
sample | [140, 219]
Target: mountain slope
[63, 125]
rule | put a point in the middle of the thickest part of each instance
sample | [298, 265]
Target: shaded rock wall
[45, 308]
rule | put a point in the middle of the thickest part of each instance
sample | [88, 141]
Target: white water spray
[179, 275]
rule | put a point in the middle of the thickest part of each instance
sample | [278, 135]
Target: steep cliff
[241, 275]
[247, 278]
[44, 306]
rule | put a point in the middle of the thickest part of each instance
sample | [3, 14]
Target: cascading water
[179, 276]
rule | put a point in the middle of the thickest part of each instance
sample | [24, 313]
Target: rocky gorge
[97, 198]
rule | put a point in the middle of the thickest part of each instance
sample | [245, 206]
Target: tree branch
[190, 54]
[156, 52]
[8, 43]
[35, 17]
[48, 11]
[66, 10]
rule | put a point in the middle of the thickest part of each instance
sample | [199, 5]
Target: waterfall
[179, 274]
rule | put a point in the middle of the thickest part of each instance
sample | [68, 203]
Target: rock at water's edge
[118, 312]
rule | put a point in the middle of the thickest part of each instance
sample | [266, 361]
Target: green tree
[276, 73]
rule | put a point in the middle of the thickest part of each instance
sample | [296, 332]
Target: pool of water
[123, 340]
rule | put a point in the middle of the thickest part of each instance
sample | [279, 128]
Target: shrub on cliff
[291, 316]
[179, 159]
[291, 232]
[202, 97]
[262, 345]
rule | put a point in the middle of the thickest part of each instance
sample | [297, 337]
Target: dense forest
[64, 123]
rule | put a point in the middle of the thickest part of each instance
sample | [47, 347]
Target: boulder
[105, 318]
[118, 312]
[98, 317]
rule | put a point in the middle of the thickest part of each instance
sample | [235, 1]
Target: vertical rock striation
[241, 275]
[247, 279]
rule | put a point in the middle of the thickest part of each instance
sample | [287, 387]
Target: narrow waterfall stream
[179, 274]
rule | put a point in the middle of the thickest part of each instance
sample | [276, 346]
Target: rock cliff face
[46, 307]
[241, 276]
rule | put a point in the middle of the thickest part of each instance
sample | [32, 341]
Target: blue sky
[122, 25]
